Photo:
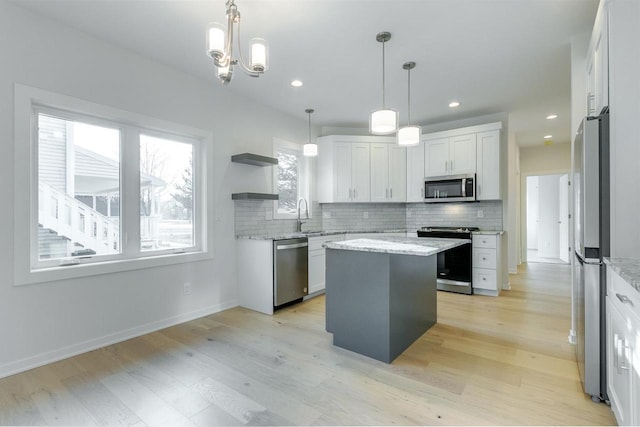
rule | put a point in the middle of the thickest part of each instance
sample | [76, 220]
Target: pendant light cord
[409, 98]
[309, 126]
[383, 103]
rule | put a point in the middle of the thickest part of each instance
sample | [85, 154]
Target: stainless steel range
[454, 265]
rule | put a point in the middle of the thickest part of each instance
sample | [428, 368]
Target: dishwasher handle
[293, 246]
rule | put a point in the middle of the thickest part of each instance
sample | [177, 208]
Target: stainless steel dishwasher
[290, 270]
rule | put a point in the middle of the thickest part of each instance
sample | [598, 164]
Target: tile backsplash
[255, 217]
[455, 214]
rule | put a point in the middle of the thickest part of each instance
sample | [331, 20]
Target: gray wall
[52, 320]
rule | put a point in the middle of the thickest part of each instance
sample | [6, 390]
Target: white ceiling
[491, 55]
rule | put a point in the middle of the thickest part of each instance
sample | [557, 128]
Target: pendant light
[409, 135]
[385, 120]
[309, 149]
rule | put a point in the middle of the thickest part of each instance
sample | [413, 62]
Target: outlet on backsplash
[480, 213]
[365, 215]
[326, 215]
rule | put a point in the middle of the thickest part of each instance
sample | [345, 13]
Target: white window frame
[304, 169]
[27, 266]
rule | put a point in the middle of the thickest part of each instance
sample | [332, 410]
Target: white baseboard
[27, 363]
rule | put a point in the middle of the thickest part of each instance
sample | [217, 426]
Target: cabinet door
[397, 173]
[488, 166]
[462, 154]
[619, 373]
[380, 172]
[436, 157]
[415, 173]
[316, 270]
[360, 179]
[342, 172]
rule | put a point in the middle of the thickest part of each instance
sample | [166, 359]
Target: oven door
[454, 270]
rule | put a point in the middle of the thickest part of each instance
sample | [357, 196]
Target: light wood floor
[501, 360]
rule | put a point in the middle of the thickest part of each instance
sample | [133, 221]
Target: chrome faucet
[306, 206]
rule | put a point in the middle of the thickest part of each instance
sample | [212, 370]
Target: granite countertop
[488, 232]
[294, 235]
[420, 246]
[627, 268]
[318, 233]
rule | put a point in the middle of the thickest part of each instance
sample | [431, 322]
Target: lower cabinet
[486, 275]
[317, 261]
[623, 349]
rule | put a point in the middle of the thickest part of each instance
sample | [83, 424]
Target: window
[105, 185]
[290, 179]
[166, 194]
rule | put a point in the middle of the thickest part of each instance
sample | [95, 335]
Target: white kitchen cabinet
[597, 69]
[623, 347]
[388, 173]
[450, 156]
[317, 259]
[487, 264]
[255, 274]
[415, 173]
[488, 166]
[343, 169]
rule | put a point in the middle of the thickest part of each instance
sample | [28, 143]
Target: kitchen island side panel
[357, 301]
[412, 299]
[378, 304]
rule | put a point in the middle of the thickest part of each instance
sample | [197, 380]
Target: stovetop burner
[450, 229]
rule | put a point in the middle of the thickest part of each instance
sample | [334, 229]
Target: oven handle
[464, 187]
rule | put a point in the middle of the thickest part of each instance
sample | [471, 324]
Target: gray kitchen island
[381, 293]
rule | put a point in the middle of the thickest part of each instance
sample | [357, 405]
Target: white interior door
[563, 217]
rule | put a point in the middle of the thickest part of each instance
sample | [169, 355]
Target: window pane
[77, 164]
[287, 185]
[166, 194]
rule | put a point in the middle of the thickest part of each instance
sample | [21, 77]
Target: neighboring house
[79, 196]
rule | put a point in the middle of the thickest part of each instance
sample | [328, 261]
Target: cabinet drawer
[315, 243]
[484, 258]
[625, 297]
[483, 241]
[484, 279]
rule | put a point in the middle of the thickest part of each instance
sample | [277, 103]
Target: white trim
[106, 340]
[27, 100]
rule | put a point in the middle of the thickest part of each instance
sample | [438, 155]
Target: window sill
[52, 274]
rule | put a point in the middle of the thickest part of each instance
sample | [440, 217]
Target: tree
[152, 162]
[287, 185]
[184, 191]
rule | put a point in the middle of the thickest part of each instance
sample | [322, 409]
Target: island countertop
[419, 246]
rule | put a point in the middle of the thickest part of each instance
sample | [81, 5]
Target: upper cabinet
[488, 166]
[375, 169]
[415, 173]
[598, 66]
[388, 173]
[450, 156]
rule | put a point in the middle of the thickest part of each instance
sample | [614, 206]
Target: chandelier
[385, 120]
[220, 47]
[409, 135]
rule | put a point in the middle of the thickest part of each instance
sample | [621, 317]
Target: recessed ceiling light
[552, 116]
[454, 104]
[296, 83]
[548, 136]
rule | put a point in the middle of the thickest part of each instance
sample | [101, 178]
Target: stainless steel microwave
[450, 188]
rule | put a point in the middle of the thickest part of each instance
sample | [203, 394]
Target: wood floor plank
[488, 361]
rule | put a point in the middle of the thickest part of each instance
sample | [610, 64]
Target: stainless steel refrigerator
[591, 232]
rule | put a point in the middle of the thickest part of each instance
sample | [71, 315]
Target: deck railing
[78, 222]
